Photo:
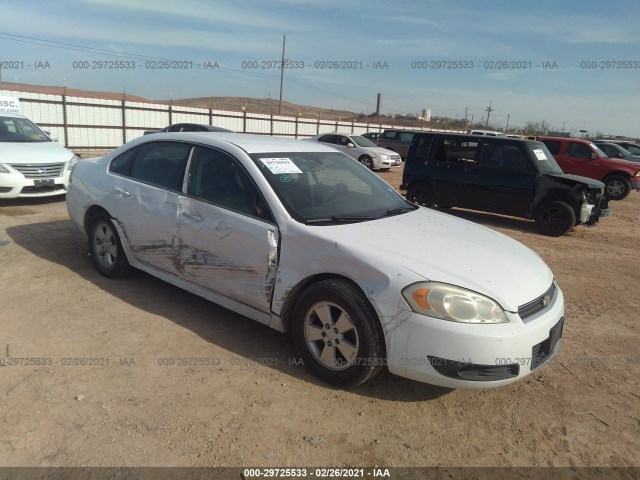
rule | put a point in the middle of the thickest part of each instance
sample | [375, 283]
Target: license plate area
[44, 183]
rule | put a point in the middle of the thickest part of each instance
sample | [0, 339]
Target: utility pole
[488, 110]
[507, 127]
[472, 117]
[284, 41]
[465, 117]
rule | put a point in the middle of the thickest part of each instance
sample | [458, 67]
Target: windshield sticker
[280, 165]
[540, 154]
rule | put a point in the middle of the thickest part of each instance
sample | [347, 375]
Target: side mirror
[620, 155]
[51, 136]
[351, 145]
[592, 156]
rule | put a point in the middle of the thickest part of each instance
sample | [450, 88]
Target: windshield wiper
[398, 211]
[339, 219]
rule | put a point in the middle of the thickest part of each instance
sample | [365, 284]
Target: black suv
[396, 140]
[501, 175]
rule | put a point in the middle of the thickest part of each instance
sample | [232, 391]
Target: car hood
[36, 152]
[619, 162]
[444, 248]
[589, 182]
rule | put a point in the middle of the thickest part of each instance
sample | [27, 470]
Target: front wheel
[617, 187]
[366, 161]
[106, 249]
[337, 334]
[555, 218]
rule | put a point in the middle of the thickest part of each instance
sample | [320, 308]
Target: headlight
[4, 169]
[638, 173]
[72, 162]
[384, 156]
[452, 303]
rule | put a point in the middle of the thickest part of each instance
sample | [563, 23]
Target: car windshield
[545, 161]
[633, 149]
[362, 141]
[328, 187]
[13, 129]
[598, 151]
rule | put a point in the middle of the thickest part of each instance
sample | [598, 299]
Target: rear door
[144, 198]
[452, 165]
[227, 238]
[505, 180]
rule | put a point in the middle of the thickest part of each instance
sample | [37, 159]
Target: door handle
[193, 216]
[122, 192]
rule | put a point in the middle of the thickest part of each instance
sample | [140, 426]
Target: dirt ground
[253, 406]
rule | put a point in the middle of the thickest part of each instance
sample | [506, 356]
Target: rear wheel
[617, 187]
[555, 218]
[420, 194]
[106, 249]
[337, 334]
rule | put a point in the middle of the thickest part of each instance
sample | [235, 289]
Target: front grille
[5, 189]
[44, 170]
[543, 301]
[394, 157]
[473, 372]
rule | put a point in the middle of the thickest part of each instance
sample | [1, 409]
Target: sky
[573, 64]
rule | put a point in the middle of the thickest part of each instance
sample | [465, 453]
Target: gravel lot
[255, 407]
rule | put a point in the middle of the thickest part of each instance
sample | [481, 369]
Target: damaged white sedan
[306, 240]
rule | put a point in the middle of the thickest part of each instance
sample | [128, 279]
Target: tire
[555, 218]
[106, 249]
[337, 334]
[420, 194]
[617, 187]
[366, 161]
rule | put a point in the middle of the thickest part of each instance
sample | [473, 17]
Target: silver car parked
[360, 148]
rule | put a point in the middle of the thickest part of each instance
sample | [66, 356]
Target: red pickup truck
[583, 157]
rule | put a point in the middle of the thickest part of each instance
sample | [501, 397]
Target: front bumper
[14, 185]
[458, 355]
[635, 183]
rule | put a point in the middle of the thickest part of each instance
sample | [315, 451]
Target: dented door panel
[228, 252]
[147, 219]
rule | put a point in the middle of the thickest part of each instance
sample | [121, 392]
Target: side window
[580, 150]
[390, 134]
[609, 150]
[162, 164]
[344, 141]
[504, 157]
[423, 148]
[406, 137]
[121, 165]
[553, 146]
[218, 178]
[327, 139]
[455, 151]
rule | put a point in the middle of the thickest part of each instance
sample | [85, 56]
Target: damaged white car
[306, 240]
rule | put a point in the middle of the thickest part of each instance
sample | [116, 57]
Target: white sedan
[300, 237]
[31, 164]
[360, 148]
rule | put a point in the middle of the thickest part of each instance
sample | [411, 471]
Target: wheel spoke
[323, 311]
[344, 324]
[314, 332]
[328, 356]
[348, 350]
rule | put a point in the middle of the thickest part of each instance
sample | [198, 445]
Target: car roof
[340, 133]
[11, 114]
[247, 142]
[485, 138]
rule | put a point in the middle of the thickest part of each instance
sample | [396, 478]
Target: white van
[31, 164]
